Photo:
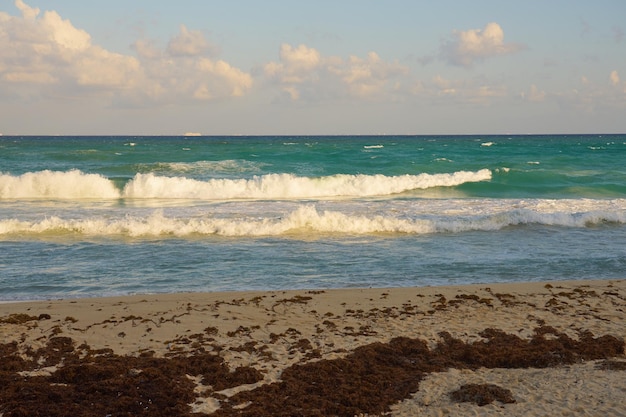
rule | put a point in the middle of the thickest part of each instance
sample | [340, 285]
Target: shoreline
[523, 285]
[260, 338]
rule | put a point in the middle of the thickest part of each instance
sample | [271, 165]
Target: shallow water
[95, 216]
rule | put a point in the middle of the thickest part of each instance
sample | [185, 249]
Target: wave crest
[305, 220]
[76, 185]
[288, 186]
[72, 184]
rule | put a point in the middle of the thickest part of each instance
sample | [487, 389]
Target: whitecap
[289, 186]
[72, 184]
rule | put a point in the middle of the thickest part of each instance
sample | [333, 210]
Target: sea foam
[289, 186]
[304, 220]
[72, 184]
[78, 185]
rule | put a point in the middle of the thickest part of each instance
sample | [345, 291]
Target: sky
[336, 67]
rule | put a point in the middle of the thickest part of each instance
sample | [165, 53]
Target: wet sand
[524, 349]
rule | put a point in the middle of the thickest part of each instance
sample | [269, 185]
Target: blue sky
[325, 67]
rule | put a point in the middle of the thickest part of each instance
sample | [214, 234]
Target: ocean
[101, 216]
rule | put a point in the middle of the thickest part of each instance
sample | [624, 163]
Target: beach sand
[523, 349]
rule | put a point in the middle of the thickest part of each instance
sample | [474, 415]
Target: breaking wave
[75, 184]
[305, 220]
[72, 184]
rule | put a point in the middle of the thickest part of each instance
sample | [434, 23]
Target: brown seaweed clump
[482, 394]
[79, 381]
[99, 383]
[376, 376]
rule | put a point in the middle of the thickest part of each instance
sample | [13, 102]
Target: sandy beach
[524, 349]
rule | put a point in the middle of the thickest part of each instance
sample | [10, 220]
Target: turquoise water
[94, 216]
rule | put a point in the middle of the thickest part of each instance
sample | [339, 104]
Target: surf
[75, 184]
[48, 184]
[308, 220]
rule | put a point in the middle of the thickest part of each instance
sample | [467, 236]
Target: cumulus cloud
[48, 54]
[296, 66]
[614, 77]
[147, 49]
[303, 73]
[300, 58]
[619, 86]
[28, 12]
[46, 49]
[465, 48]
[189, 43]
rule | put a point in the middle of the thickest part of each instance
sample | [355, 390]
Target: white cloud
[29, 77]
[48, 54]
[234, 81]
[614, 77]
[467, 47]
[147, 49]
[28, 12]
[64, 34]
[303, 73]
[188, 43]
[300, 58]
[296, 65]
[98, 67]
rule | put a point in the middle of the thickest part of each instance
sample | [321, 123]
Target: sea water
[98, 216]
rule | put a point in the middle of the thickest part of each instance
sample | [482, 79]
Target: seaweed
[367, 380]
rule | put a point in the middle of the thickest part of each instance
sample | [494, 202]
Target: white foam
[72, 184]
[204, 168]
[307, 220]
[77, 185]
[304, 220]
[288, 186]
